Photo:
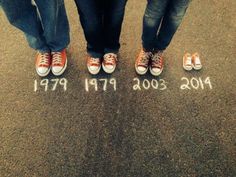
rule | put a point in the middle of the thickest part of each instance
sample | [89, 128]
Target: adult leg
[55, 23]
[91, 18]
[171, 21]
[113, 17]
[154, 13]
[23, 15]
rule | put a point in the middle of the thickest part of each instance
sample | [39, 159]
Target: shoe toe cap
[156, 70]
[141, 69]
[110, 67]
[93, 68]
[42, 70]
[57, 69]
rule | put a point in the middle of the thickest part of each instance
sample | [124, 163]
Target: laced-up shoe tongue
[110, 58]
[142, 61]
[144, 58]
[156, 67]
[157, 60]
[59, 62]
[94, 61]
[57, 59]
[44, 60]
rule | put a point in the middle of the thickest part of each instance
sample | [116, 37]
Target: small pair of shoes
[108, 63]
[149, 60]
[192, 62]
[55, 61]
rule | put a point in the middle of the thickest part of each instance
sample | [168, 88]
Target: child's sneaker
[93, 65]
[43, 64]
[197, 65]
[109, 62]
[59, 62]
[187, 62]
[157, 63]
[142, 61]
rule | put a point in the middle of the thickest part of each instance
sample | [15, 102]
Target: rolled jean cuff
[43, 50]
[59, 49]
[37, 43]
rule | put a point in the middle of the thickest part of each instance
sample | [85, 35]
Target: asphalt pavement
[181, 124]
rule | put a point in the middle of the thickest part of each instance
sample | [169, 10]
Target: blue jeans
[46, 26]
[101, 21]
[160, 22]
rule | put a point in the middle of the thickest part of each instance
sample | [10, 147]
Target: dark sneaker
[157, 63]
[142, 61]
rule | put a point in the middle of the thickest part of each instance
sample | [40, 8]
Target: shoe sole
[108, 71]
[155, 74]
[62, 71]
[43, 75]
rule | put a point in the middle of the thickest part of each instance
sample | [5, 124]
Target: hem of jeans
[95, 55]
[61, 48]
[43, 51]
[159, 48]
[147, 49]
[107, 50]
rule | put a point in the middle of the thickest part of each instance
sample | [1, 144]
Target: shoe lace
[44, 58]
[57, 58]
[157, 59]
[144, 58]
[110, 58]
[94, 60]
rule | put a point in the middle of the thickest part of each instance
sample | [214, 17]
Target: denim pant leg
[113, 18]
[154, 13]
[171, 21]
[55, 23]
[23, 15]
[91, 18]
